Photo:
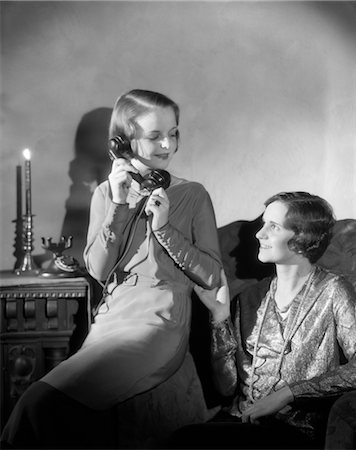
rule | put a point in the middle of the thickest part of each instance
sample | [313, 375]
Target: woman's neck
[142, 168]
[290, 280]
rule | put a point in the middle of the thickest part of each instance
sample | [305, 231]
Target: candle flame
[27, 154]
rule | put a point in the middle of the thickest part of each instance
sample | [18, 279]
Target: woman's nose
[260, 233]
[165, 143]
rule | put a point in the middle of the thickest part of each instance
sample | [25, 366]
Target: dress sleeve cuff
[300, 389]
[117, 215]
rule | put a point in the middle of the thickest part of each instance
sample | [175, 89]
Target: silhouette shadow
[239, 249]
[90, 166]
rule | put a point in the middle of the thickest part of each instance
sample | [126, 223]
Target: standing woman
[148, 248]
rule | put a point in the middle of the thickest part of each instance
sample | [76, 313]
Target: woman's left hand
[158, 205]
[268, 405]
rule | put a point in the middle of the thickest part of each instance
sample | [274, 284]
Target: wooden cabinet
[43, 321]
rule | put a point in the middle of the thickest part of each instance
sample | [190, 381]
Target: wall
[266, 89]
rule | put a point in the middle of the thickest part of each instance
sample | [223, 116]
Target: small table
[42, 322]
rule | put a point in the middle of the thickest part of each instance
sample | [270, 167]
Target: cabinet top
[8, 278]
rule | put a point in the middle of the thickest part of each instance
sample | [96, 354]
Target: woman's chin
[263, 258]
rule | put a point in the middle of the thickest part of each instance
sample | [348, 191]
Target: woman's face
[156, 140]
[274, 237]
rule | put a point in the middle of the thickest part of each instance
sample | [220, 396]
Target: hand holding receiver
[158, 206]
[120, 179]
[217, 300]
[120, 148]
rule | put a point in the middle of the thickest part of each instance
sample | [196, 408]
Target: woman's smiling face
[274, 237]
[156, 138]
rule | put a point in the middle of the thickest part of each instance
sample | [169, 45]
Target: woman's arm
[223, 356]
[104, 240]
[200, 259]
[343, 377]
[109, 213]
[223, 341]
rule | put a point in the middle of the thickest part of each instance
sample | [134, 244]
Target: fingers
[207, 297]
[157, 199]
[223, 294]
[206, 293]
[158, 205]
[120, 179]
[120, 172]
[250, 419]
[123, 164]
[159, 195]
[250, 415]
[223, 277]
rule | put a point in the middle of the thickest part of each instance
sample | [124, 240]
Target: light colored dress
[140, 335]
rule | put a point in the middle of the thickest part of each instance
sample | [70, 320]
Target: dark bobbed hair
[128, 107]
[312, 220]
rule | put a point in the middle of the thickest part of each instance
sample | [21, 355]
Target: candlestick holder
[18, 243]
[27, 266]
[60, 265]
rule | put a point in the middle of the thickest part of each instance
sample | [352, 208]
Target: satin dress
[140, 334]
[257, 353]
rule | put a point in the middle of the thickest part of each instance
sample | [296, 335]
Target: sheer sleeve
[223, 356]
[343, 377]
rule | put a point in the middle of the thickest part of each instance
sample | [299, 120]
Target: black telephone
[120, 147]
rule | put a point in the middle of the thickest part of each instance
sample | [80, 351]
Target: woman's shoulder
[102, 190]
[331, 280]
[182, 184]
[322, 274]
[103, 186]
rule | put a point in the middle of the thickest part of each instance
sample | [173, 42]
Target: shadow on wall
[90, 166]
[239, 249]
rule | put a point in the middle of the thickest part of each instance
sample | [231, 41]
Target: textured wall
[267, 93]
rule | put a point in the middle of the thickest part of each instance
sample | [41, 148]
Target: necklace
[287, 343]
[283, 309]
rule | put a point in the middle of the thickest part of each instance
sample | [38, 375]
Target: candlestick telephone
[120, 147]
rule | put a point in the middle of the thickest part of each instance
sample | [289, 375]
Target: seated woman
[279, 356]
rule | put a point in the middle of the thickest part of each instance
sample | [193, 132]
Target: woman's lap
[225, 432]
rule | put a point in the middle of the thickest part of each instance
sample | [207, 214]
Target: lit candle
[27, 155]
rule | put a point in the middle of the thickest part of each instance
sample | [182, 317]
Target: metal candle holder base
[27, 266]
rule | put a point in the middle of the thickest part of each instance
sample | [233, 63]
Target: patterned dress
[259, 352]
[140, 335]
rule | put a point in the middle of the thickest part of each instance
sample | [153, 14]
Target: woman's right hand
[217, 300]
[120, 179]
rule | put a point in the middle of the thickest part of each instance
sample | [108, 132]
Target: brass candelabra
[27, 265]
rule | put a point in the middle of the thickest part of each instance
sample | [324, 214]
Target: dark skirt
[45, 418]
[228, 432]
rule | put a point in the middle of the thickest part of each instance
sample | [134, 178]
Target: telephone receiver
[120, 147]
